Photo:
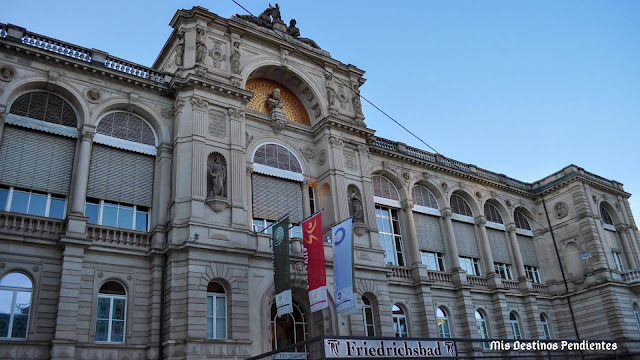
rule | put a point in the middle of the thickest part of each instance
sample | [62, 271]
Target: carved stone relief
[216, 176]
[7, 73]
[217, 126]
[179, 57]
[217, 55]
[307, 152]
[349, 159]
[201, 47]
[355, 204]
[342, 97]
[235, 57]
[92, 95]
[322, 157]
[560, 209]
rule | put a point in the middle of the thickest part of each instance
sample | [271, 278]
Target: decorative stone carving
[595, 199]
[322, 157]
[201, 47]
[478, 194]
[2, 265]
[342, 97]
[216, 176]
[7, 73]
[217, 55]
[129, 277]
[86, 135]
[336, 142]
[316, 111]
[349, 159]
[355, 101]
[217, 126]
[446, 213]
[363, 149]
[307, 152]
[511, 227]
[292, 29]
[406, 176]
[36, 268]
[481, 220]
[167, 113]
[278, 124]
[331, 92]
[247, 138]
[560, 209]
[355, 205]
[235, 81]
[198, 104]
[179, 57]
[93, 95]
[284, 53]
[235, 57]
[264, 19]
[509, 203]
[100, 275]
[177, 106]
[444, 186]
[236, 114]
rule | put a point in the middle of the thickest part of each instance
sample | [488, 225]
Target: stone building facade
[132, 201]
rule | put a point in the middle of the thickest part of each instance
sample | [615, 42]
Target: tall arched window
[483, 329]
[442, 319]
[216, 311]
[492, 214]
[387, 201]
[287, 329]
[367, 317]
[515, 325]
[399, 322]
[612, 237]
[426, 217]
[465, 235]
[15, 305]
[460, 206]
[524, 236]
[521, 220]
[545, 327]
[636, 314]
[111, 313]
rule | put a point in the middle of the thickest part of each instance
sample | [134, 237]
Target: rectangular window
[389, 235]
[110, 319]
[617, 259]
[312, 200]
[123, 216]
[433, 261]
[470, 265]
[532, 274]
[32, 203]
[216, 316]
[504, 270]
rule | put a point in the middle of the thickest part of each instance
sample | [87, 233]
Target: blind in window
[36, 160]
[428, 231]
[275, 197]
[612, 237]
[465, 239]
[527, 250]
[120, 176]
[499, 247]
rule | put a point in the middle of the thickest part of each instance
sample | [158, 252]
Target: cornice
[333, 123]
[195, 81]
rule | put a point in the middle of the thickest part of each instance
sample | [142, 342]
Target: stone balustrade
[631, 276]
[56, 46]
[130, 68]
[23, 224]
[479, 281]
[400, 272]
[116, 236]
[510, 284]
[539, 288]
[439, 276]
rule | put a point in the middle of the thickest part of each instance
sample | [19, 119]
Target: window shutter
[527, 250]
[499, 247]
[274, 197]
[120, 176]
[428, 231]
[36, 160]
[465, 239]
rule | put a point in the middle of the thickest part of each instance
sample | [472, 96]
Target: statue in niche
[201, 47]
[180, 49]
[292, 29]
[235, 58]
[355, 101]
[356, 208]
[216, 177]
[331, 93]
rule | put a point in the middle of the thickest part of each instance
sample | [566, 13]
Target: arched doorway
[289, 328]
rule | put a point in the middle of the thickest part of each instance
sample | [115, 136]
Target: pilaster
[487, 257]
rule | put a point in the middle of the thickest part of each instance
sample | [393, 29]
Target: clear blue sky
[520, 88]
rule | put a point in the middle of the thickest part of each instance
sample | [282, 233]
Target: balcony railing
[400, 272]
[539, 288]
[631, 275]
[115, 236]
[479, 281]
[439, 276]
[510, 284]
[23, 224]
[56, 46]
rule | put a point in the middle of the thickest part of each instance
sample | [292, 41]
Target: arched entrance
[288, 329]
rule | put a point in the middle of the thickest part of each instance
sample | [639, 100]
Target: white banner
[371, 349]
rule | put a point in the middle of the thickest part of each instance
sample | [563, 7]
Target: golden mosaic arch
[292, 107]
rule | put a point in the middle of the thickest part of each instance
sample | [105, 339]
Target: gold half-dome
[262, 90]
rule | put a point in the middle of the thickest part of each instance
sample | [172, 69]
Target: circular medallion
[560, 210]
[279, 235]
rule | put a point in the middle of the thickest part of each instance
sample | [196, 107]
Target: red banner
[314, 262]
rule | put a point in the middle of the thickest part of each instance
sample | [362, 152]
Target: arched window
[111, 313]
[492, 214]
[45, 106]
[384, 188]
[636, 314]
[15, 305]
[126, 126]
[423, 197]
[460, 206]
[545, 327]
[442, 319]
[606, 218]
[367, 317]
[483, 329]
[278, 157]
[216, 311]
[387, 199]
[515, 326]
[521, 220]
[287, 329]
[399, 322]
[612, 236]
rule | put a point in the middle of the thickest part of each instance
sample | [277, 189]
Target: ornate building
[133, 199]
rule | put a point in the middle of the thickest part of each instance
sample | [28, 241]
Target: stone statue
[201, 47]
[356, 208]
[275, 95]
[217, 177]
[275, 13]
[235, 58]
[180, 49]
[292, 29]
[355, 101]
[331, 93]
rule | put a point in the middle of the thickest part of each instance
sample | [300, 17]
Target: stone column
[412, 237]
[626, 246]
[306, 206]
[236, 165]
[517, 255]
[249, 195]
[82, 171]
[3, 116]
[453, 260]
[487, 257]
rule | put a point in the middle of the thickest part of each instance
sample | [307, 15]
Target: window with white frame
[504, 270]
[111, 313]
[492, 214]
[483, 329]
[15, 305]
[367, 317]
[32, 202]
[399, 322]
[545, 327]
[521, 220]
[389, 235]
[312, 200]
[515, 326]
[264, 225]
[617, 260]
[470, 265]
[433, 260]
[532, 274]
[288, 329]
[636, 314]
[102, 212]
[442, 320]
[216, 311]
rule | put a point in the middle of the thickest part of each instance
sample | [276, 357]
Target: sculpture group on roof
[271, 16]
